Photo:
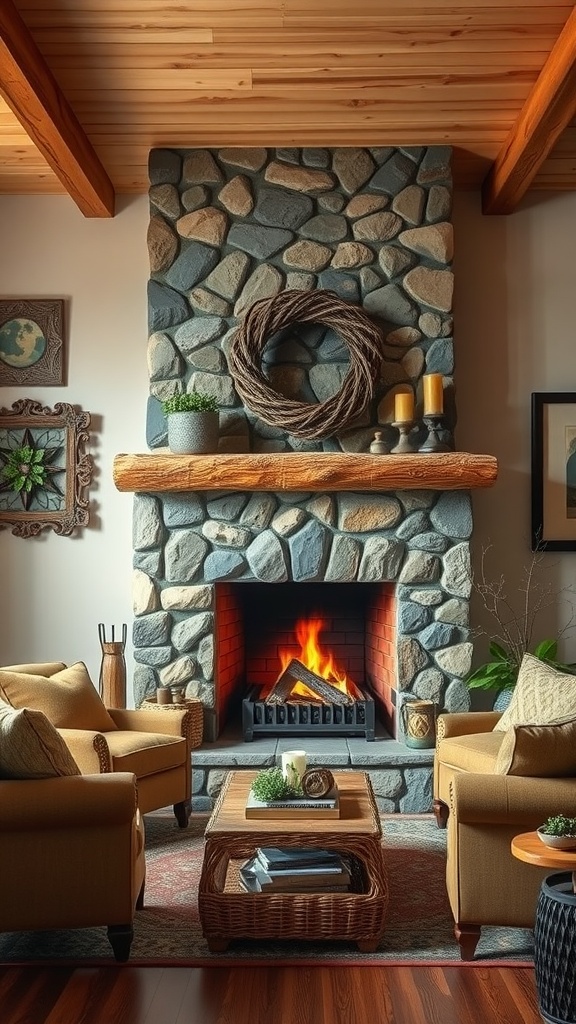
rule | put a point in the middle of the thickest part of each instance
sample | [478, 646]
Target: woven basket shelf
[195, 719]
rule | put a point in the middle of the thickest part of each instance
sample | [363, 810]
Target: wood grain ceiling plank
[278, 54]
[382, 77]
[183, 9]
[213, 80]
[370, 60]
[421, 8]
[60, 39]
[151, 19]
[549, 108]
[32, 92]
[395, 94]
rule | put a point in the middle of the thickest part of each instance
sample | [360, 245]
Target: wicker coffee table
[227, 912]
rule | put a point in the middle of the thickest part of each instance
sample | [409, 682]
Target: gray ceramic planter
[193, 433]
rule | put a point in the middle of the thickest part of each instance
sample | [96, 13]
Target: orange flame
[314, 658]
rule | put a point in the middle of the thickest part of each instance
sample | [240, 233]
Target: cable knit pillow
[68, 698]
[545, 751]
[542, 695]
[30, 747]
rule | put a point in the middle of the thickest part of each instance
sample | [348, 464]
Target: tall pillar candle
[404, 407]
[293, 766]
[433, 394]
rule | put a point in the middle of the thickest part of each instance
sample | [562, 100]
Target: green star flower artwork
[29, 469]
[44, 470]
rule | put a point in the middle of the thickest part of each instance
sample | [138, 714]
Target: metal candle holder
[433, 442]
[404, 445]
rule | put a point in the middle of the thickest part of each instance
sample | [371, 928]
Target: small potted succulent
[193, 423]
[559, 832]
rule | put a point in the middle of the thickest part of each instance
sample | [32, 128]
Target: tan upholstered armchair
[485, 806]
[71, 855]
[153, 745]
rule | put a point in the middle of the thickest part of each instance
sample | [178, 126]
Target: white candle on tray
[293, 766]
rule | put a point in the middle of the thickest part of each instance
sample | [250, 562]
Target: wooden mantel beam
[547, 111]
[298, 471]
[32, 93]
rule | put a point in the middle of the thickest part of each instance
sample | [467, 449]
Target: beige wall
[513, 335]
[57, 589]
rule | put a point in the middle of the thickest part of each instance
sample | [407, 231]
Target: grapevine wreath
[302, 419]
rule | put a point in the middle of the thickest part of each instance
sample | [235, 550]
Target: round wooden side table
[554, 928]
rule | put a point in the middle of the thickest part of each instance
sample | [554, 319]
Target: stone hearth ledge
[312, 471]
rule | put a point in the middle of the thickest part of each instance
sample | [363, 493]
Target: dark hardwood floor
[268, 995]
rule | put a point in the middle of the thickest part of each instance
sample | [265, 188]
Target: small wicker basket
[195, 720]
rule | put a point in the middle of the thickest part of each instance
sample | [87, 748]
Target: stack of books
[295, 869]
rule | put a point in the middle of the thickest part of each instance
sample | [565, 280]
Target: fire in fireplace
[312, 694]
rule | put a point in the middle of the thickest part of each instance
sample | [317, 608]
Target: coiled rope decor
[302, 419]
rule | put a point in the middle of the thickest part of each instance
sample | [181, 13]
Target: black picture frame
[32, 342]
[553, 469]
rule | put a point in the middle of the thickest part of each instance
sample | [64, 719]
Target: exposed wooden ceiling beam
[31, 91]
[548, 110]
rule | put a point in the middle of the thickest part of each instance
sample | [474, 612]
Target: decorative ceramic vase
[419, 723]
[193, 432]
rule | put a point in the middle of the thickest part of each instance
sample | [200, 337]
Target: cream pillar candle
[404, 407]
[433, 394]
[293, 766]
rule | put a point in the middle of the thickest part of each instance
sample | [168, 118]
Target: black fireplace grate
[307, 718]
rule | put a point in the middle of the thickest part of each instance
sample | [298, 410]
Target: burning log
[297, 672]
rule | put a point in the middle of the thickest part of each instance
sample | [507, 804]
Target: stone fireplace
[402, 561]
[274, 521]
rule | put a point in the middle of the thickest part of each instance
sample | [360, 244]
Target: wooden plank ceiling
[88, 87]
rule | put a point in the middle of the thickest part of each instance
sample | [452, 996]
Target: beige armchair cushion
[477, 752]
[544, 751]
[145, 753]
[30, 747]
[68, 698]
[542, 695]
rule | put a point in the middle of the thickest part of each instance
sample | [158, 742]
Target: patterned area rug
[167, 931]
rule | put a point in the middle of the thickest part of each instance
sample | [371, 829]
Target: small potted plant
[193, 423]
[559, 831]
[270, 785]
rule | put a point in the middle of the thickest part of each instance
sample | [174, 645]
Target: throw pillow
[30, 747]
[542, 695]
[68, 698]
[544, 751]
[43, 668]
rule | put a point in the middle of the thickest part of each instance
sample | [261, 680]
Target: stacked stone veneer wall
[231, 226]
[186, 544]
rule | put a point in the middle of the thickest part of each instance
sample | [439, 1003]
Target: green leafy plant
[190, 401]
[559, 825]
[25, 468]
[270, 784]
[515, 627]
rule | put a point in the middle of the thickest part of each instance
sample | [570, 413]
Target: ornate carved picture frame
[32, 342]
[44, 470]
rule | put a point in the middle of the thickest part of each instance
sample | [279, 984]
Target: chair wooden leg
[182, 813]
[140, 900]
[441, 813]
[468, 936]
[120, 937]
